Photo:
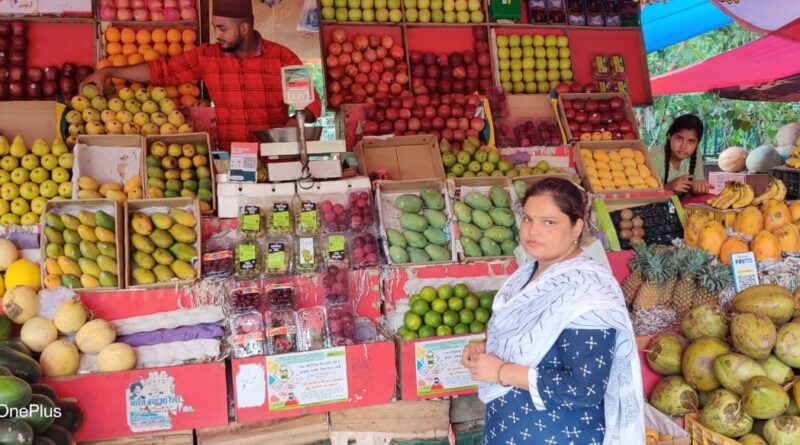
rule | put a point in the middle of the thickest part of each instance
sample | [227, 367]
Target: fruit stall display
[180, 167]
[147, 11]
[446, 310]
[616, 166]
[487, 227]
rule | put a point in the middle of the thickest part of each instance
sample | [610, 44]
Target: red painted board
[174, 398]
[56, 43]
[371, 380]
[619, 263]
[113, 305]
[408, 363]
[432, 38]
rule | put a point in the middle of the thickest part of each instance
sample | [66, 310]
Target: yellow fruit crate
[725, 217]
[607, 146]
[704, 436]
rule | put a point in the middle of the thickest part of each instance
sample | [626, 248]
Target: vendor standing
[679, 162]
[242, 72]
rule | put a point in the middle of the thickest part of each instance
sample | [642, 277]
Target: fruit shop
[154, 290]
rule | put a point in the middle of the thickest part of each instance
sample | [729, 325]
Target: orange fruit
[113, 48]
[119, 60]
[188, 47]
[104, 63]
[143, 36]
[151, 55]
[136, 86]
[128, 35]
[112, 34]
[172, 91]
[117, 81]
[195, 91]
[175, 49]
[143, 48]
[158, 35]
[135, 59]
[187, 101]
[129, 49]
[174, 36]
[189, 36]
[161, 48]
[185, 89]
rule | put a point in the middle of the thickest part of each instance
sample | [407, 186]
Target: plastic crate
[790, 178]
[704, 436]
[725, 217]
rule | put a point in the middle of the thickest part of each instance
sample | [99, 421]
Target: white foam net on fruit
[653, 321]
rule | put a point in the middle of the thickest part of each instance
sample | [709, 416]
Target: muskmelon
[788, 134]
[762, 159]
[37, 333]
[116, 357]
[732, 159]
[70, 316]
[60, 359]
[95, 335]
[8, 254]
[20, 304]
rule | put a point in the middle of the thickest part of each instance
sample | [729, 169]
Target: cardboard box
[725, 217]
[186, 138]
[758, 181]
[148, 207]
[402, 157]
[604, 207]
[112, 208]
[557, 157]
[637, 145]
[388, 216]
[627, 109]
[528, 107]
[30, 118]
[230, 194]
[108, 158]
[459, 187]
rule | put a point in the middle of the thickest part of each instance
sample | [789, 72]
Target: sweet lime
[460, 290]
[433, 319]
[410, 335]
[477, 327]
[420, 307]
[402, 330]
[461, 328]
[450, 318]
[426, 331]
[412, 321]
[486, 302]
[445, 291]
[455, 304]
[466, 316]
[472, 302]
[443, 331]
[481, 315]
[428, 293]
[439, 305]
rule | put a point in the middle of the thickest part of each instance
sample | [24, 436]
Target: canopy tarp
[665, 24]
[763, 16]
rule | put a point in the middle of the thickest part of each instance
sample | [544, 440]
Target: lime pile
[448, 310]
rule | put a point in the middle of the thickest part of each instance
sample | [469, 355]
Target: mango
[499, 234]
[142, 243]
[477, 201]
[140, 223]
[415, 239]
[107, 264]
[155, 192]
[89, 267]
[432, 198]
[437, 253]
[436, 237]
[190, 185]
[108, 279]
[53, 236]
[109, 186]
[54, 250]
[104, 220]
[489, 247]
[52, 267]
[162, 238]
[87, 218]
[508, 247]
[435, 218]
[205, 196]
[72, 251]
[117, 196]
[107, 249]
[500, 197]
[408, 203]
[183, 234]
[71, 236]
[152, 161]
[416, 255]
[88, 183]
[134, 183]
[87, 233]
[183, 252]
[90, 281]
[395, 238]
[88, 194]
[52, 281]
[171, 194]
[411, 221]
[142, 276]
[155, 172]
[156, 183]
[471, 248]
[520, 188]
[163, 256]
[54, 221]
[470, 231]
[69, 221]
[135, 194]
[502, 217]
[482, 219]
[184, 217]
[143, 260]
[463, 212]
[163, 273]
[89, 249]
[398, 253]
[69, 266]
[183, 270]
[71, 281]
[172, 174]
[104, 235]
[174, 185]
[161, 220]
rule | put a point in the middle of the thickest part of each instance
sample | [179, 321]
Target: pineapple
[655, 277]
[712, 279]
[632, 283]
[691, 260]
[671, 268]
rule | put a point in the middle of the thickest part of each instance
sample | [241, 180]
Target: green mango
[141, 224]
[174, 185]
[436, 237]
[490, 248]
[463, 212]
[205, 195]
[72, 251]
[163, 273]
[500, 197]
[408, 203]
[89, 267]
[398, 254]
[71, 236]
[470, 231]
[87, 218]
[54, 221]
[71, 281]
[107, 249]
[105, 220]
[155, 172]
[89, 249]
[415, 239]
[416, 255]
[163, 256]
[482, 219]
[411, 221]
[432, 198]
[435, 218]
[477, 201]
[395, 238]
[502, 217]
[471, 248]
[107, 264]
[143, 260]
[70, 222]
[142, 276]
[162, 238]
[142, 243]
[183, 252]
[520, 188]
[508, 247]
[499, 234]
[53, 236]
[183, 270]
[183, 234]
[108, 279]
[438, 253]
[157, 183]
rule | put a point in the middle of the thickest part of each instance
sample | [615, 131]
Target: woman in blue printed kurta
[559, 366]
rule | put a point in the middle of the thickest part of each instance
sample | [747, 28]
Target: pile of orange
[127, 46]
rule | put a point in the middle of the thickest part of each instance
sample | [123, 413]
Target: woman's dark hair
[570, 199]
[685, 122]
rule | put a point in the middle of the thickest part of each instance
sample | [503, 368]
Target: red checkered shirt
[246, 93]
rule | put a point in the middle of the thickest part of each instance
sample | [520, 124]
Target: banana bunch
[734, 195]
[775, 190]
[794, 158]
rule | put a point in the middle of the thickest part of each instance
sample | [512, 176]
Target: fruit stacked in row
[533, 63]
[486, 224]
[655, 223]
[773, 229]
[457, 72]
[447, 310]
[89, 188]
[443, 11]
[30, 177]
[623, 169]
[163, 246]
[364, 68]
[448, 117]
[737, 195]
[473, 159]
[144, 10]
[81, 250]
[598, 119]
[176, 170]
[127, 112]
[361, 10]
[425, 225]
[737, 372]
[17, 82]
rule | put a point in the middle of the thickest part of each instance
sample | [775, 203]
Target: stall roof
[665, 24]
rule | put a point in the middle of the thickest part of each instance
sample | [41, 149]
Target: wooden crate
[402, 420]
[725, 217]
[627, 109]
[292, 431]
[636, 145]
[704, 436]
[178, 438]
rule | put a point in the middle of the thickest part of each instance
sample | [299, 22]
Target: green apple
[448, 159]
[4, 177]
[99, 103]
[9, 191]
[411, 15]
[566, 75]
[476, 16]
[541, 63]
[463, 157]
[505, 75]
[354, 4]
[59, 147]
[462, 17]
[487, 167]
[449, 17]
[552, 52]
[504, 64]
[9, 163]
[341, 14]
[494, 156]
[424, 16]
[507, 86]
[541, 75]
[458, 170]
[516, 64]
[529, 63]
[29, 190]
[141, 95]
[564, 64]
[59, 175]
[539, 52]
[9, 219]
[550, 40]
[74, 117]
[564, 53]
[30, 161]
[39, 174]
[553, 75]
[502, 41]
[37, 206]
[436, 5]
[4, 208]
[410, 4]
[528, 76]
[29, 219]
[449, 5]
[368, 15]
[562, 41]
[530, 88]
[502, 52]
[354, 15]
[543, 86]
[474, 166]
[437, 16]
[481, 155]
[340, 3]
[48, 189]
[49, 161]
[423, 4]
[468, 174]
[528, 52]
[65, 190]
[322, 2]
[382, 15]
[460, 5]
[20, 175]
[126, 94]
[19, 206]
[553, 64]
[116, 104]
[379, 4]
[107, 116]
[514, 40]
[91, 115]
[516, 76]
[367, 5]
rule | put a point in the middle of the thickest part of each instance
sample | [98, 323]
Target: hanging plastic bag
[309, 18]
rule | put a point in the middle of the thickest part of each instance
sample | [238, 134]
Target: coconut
[792, 410]
[8, 254]
[787, 344]
[764, 399]
[698, 362]
[752, 439]
[778, 371]
[773, 301]
[753, 335]
[783, 430]
[706, 320]
[724, 414]
[664, 354]
[703, 397]
[796, 393]
[734, 370]
[674, 397]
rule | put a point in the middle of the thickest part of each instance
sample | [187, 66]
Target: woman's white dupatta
[580, 294]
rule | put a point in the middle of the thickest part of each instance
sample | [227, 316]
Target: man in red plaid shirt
[242, 72]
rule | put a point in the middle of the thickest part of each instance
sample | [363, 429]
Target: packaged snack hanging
[307, 216]
[218, 254]
[249, 254]
[334, 215]
[251, 219]
[307, 257]
[333, 285]
[341, 325]
[280, 331]
[364, 251]
[278, 257]
[361, 210]
[247, 333]
[335, 248]
[245, 293]
[311, 329]
[280, 220]
[280, 293]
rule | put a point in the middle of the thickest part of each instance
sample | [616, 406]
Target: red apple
[392, 114]
[484, 59]
[400, 126]
[385, 127]
[562, 88]
[452, 123]
[581, 116]
[438, 123]
[469, 57]
[370, 128]
[459, 135]
[569, 114]
[414, 124]
[628, 135]
[404, 113]
[447, 134]
[477, 124]
[617, 115]
[615, 103]
[591, 105]
[578, 104]
[625, 126]
[586, 127]
[575, 87]
[3, 90]
[603, 105]
[574, 127]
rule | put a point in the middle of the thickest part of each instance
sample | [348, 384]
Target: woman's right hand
[471, 352]
[681, 184]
